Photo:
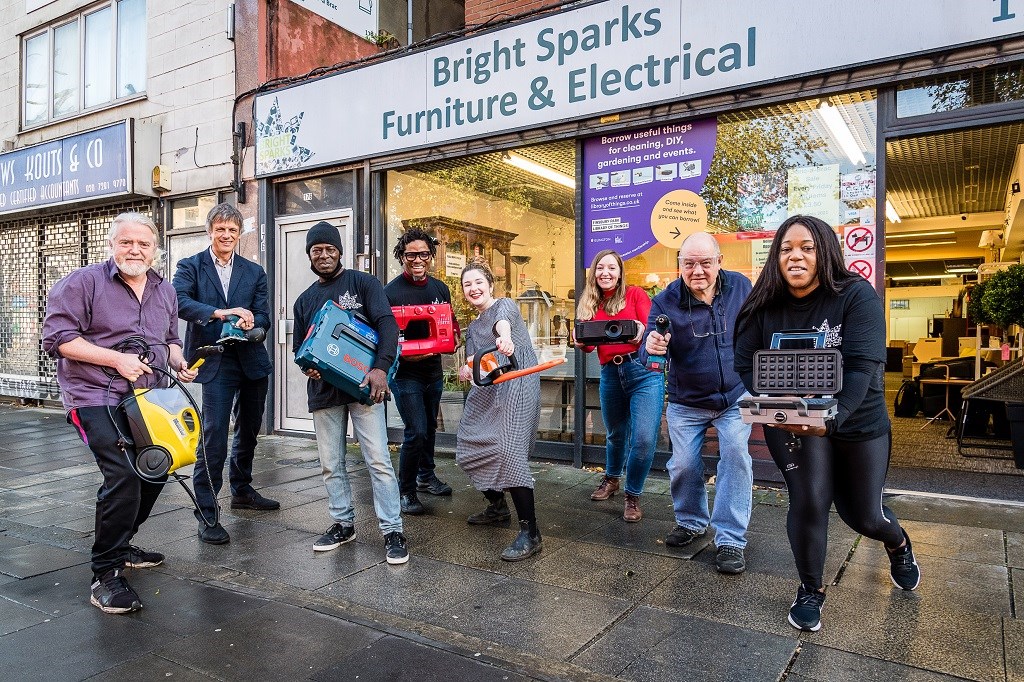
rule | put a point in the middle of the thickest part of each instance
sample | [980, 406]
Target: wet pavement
[605, 599]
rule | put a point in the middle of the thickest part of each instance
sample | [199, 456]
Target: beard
[132, 269]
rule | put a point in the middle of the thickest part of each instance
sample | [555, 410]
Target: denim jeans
[733, 484]
[229, 394]
[370, 429]
[631, 402]
[418, 403]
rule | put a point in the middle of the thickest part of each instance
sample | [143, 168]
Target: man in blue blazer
[214, 286]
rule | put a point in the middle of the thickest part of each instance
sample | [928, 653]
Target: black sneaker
[111, 593]
[730, 560]
[336, 536]
[395, 548]
[680, 537]
[140, 558]
[805, 614]
[433, 485]
[496, 512]
[411, 505]
[903, 568]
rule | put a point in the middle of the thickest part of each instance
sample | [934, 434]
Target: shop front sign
[603, 57]
[90, 165]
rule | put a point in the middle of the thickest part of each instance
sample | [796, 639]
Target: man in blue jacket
[214, 286]
[704, 391]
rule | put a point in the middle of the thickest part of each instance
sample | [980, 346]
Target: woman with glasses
[806, 286]
[418, 383]
[631, 397]
[704, 392]
[498, 430]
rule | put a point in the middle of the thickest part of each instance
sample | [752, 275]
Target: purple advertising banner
[642, 187]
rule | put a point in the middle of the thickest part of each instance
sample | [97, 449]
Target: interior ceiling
[953, 180]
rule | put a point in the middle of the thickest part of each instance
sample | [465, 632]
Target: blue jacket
[701, 372]
[200, 293]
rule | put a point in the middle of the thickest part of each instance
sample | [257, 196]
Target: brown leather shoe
[607, 488]
[632, 512]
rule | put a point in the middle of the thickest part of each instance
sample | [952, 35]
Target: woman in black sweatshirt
[806, 286]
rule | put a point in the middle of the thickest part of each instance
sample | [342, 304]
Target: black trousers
[827, 470]
[229, 395]
[124, 501]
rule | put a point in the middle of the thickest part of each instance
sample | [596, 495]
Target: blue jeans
[734, 482]
[229, 394]
[370, 429]
[631, 402]
[418, 403]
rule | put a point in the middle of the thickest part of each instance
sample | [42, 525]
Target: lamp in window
[538, 169]
[841, 132]
[890, 213]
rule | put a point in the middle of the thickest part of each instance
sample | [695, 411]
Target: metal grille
[36, 252]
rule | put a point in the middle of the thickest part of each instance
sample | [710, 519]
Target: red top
[638, 307]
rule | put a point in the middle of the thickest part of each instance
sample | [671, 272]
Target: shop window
[313, 195]
[97, 57]
[520, 219]
[994, 85]
[429, 18]
[814, 157]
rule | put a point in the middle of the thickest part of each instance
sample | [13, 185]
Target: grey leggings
[826, 470]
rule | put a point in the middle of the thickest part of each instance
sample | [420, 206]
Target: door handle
[284, 327]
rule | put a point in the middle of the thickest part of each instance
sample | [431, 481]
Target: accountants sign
[602, 57]
[84, 166]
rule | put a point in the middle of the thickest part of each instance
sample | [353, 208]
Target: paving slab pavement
[604, 600]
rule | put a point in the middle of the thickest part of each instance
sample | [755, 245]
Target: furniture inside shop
[992, 416]
[462, 241]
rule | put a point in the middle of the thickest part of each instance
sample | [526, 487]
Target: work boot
[632, 512]
[411, 505]
[496, 512]
[526, 544]
[608, 487]
[213, 535]
[430, 483]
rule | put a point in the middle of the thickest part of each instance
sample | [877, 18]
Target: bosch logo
[779, 416]
[333, 350]
[355, 363]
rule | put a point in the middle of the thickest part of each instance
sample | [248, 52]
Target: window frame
[49, 31]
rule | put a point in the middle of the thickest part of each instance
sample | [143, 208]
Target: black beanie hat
[323, 233]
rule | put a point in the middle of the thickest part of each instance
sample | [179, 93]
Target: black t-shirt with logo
[361, 294]
[400, 291]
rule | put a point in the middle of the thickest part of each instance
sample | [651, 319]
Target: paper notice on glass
[857, 186]
[814, 190]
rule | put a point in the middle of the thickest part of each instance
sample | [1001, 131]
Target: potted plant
[1003, 302]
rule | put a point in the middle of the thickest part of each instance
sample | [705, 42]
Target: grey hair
[133, 217]
[224, 213]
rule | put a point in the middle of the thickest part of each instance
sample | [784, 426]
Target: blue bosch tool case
[343, 348]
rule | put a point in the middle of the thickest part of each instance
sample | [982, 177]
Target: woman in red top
[632, 397]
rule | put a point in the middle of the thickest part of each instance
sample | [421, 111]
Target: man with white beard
[88, 314]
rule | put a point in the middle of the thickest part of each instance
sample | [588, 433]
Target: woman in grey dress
[499, 425]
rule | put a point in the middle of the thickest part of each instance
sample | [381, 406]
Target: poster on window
[642, 187]
[814, 190]
[762, 201]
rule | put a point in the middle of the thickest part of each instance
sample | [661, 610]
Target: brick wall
[479, 11]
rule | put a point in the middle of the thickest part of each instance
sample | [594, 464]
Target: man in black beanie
[331, 408]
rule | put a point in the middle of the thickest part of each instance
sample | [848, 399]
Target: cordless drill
[658, 363]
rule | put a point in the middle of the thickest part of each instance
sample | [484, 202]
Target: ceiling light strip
[538, 169]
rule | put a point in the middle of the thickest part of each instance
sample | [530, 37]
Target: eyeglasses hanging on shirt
[707, 325]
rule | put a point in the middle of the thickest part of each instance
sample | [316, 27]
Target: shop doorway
[952, 205]
[293, 276]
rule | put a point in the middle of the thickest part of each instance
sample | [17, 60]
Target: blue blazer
[200, 293]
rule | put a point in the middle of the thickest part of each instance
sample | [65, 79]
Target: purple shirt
[95, 304]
